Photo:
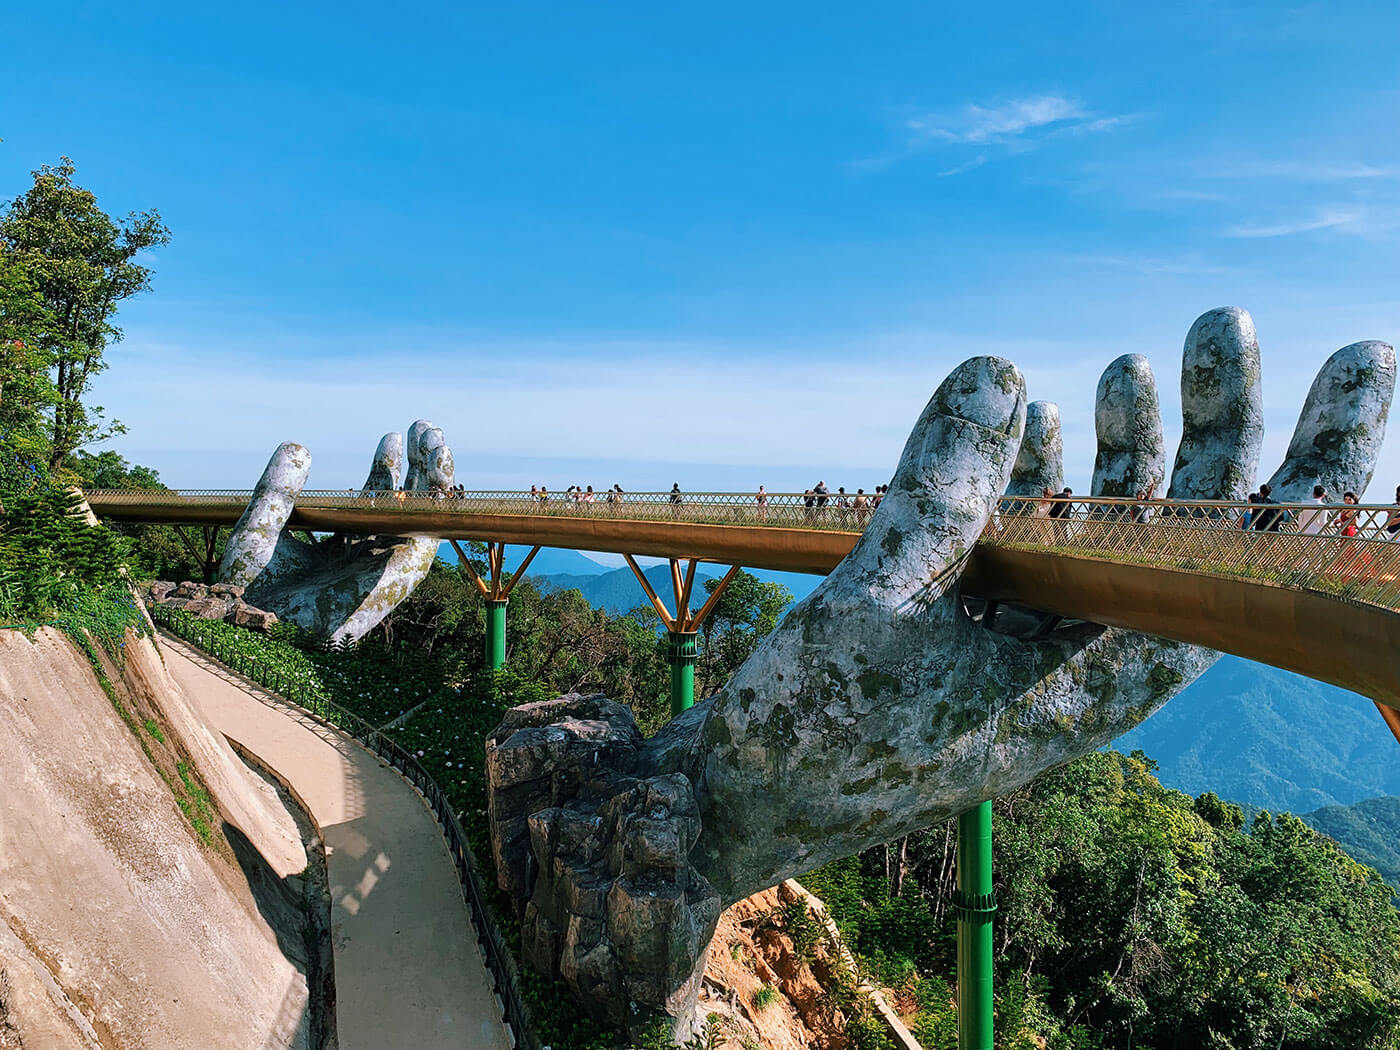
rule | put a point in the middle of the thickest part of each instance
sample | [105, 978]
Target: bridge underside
[1348, 644]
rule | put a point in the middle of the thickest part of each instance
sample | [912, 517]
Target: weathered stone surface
[1132, 451]
[189, 589]
[338, 588]
[877, 707]
[242, 615]
[255, 537]
[1040, 461]
[210, 608]
[1221, 407]
[388, 465]
[1342, 425]
[160, 590]
[226, 590]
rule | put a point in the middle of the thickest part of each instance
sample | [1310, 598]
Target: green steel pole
[680, 653]
[975, 906]
[495, 634]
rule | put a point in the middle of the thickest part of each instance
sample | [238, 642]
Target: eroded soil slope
[129, 836]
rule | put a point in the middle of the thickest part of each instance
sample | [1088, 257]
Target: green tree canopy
[81, 264]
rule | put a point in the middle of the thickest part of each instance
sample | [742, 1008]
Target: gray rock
[226, 590]
[877, 707]
[189, 589]
[242, 615]
[1342, 425]
[1040, 461]
[210, 608]
[1132, 451]
[1221, 406]
[160, 590]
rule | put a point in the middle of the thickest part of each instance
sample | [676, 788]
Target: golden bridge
[1317, 594]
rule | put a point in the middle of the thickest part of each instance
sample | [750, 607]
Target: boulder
[190, 589]
[242, 615]
[160, 590]
[226, 590]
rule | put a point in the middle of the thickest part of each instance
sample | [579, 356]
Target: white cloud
[984, 125]
[1332, 218]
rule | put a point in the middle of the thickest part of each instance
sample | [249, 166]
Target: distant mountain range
[1262, 736]
[617, 590]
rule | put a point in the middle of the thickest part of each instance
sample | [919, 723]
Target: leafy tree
[26, 391]
[748, 610]
[82, 265]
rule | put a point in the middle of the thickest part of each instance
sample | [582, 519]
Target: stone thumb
[254, 538]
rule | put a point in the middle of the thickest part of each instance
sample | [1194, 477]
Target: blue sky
[718, 244]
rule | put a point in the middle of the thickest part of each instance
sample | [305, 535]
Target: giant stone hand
[878, 706]
[338, 587]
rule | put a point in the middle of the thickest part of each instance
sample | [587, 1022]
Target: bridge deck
[1323, 603]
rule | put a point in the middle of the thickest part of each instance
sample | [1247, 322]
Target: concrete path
[407, 969]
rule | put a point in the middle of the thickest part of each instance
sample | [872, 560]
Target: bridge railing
[1345, 551]
[837, 512]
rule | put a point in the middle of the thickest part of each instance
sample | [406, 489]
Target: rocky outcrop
[218, 601]
[621, 916]
[878, 707]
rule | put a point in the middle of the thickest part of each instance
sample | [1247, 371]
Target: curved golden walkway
[1306, 597]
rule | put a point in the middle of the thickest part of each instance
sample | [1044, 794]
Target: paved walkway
[407, 969]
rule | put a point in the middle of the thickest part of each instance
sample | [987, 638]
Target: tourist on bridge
[821, 492]
[1141, 509]
[588, 496]
[809, 504]
[1311, 522]
[675, 498]
[762, 500]
[1060, 506]
[861, 505]
[1392, 520]
[1268, 520]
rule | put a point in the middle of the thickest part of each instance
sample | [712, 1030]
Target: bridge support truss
[682, 626]
[203, 550]
[495, 589]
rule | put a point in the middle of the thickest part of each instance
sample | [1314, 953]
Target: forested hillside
[1369, 831]
[1258, 735]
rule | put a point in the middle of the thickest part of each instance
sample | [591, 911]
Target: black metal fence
[499, 961]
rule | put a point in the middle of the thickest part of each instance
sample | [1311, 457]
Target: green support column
[680, 653]
[975, 907]
[495, 633]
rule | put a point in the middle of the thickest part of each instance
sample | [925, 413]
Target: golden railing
[1343, 551]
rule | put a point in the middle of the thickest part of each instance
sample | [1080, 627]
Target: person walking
[861, 505]
[1392, 520]
[1267, 520]
[675, 498]
[1310, 522]
[762, 500]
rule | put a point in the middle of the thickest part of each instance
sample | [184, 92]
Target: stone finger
[254, 538]
[414, 479]
[955, 466]
[1222, 411]
[1342, 425]
[1040, 462]
[385, 471]
[1131, 451]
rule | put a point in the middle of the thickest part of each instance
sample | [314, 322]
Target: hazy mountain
[1369, 831]
[548, 562]
[618, 591]
[1258, 735]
